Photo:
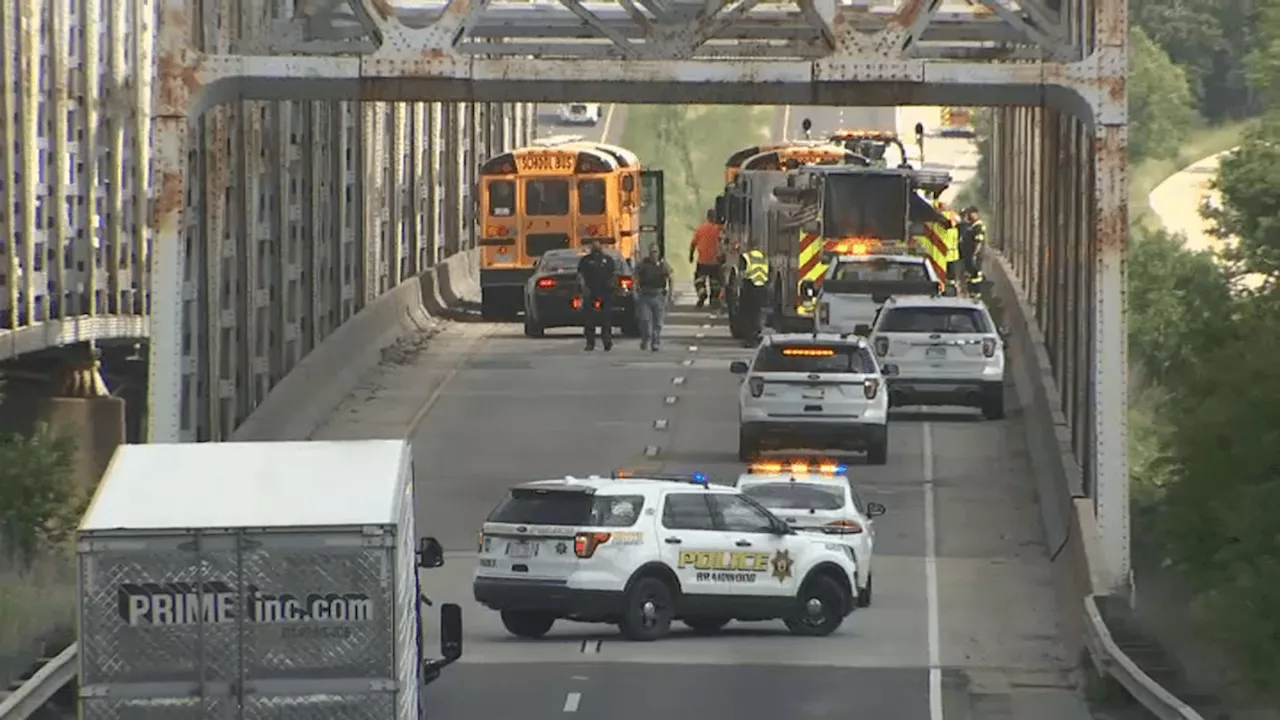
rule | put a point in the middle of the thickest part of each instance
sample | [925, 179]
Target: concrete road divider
[301, 401]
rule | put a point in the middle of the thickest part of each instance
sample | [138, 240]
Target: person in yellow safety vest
[753, 295]
[952, 237]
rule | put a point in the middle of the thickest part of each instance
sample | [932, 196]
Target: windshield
[814, 359]
[526, 506]
[546, 197]
[934, 320]
[881, 270]
[796, 496]
[866, 205]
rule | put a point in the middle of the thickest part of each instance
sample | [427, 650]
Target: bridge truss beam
[1060, 61]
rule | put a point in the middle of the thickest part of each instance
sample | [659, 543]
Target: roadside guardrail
[43, 685]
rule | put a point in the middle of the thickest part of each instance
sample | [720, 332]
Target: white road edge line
[931, 579]
[571, 702]
[608, 121]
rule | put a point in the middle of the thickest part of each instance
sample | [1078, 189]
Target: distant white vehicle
[580, 114]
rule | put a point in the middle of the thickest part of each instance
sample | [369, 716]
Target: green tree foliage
[1161, 109]
[1250, 188]
[38, 502]
[1211, 40]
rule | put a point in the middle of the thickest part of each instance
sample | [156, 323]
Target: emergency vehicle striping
[725, 566]
[810, 257]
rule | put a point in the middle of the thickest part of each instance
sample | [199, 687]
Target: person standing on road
[653, 288]
[598, 274]
[753, 294]
[973, 238]
[704, 249]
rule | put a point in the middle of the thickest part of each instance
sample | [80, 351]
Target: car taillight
[843, 527]
[824, 313]
[988, 347]
[882, 346]
[870, 387]
[626, 283]
[546, 283]
[756, 385]
[495, 231]
[585, 543]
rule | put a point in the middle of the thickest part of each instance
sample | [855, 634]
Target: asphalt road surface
[963, 625]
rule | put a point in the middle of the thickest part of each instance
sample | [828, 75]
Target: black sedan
[553, 295]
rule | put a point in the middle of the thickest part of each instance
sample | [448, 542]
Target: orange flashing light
[799, 468]
[496, 230]
[808, 352]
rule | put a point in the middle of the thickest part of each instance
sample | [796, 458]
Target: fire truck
[872, 144]
[819, 212]
[743, 208]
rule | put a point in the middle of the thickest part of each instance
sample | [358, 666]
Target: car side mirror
[1005, 331]
[889, 370]
[806, 125]
[808, 289]
[875, 509]
[862, 329]
[738, 367]
[450, 631]
[430, 553]
[781, 528]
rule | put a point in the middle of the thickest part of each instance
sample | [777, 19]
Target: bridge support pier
[96, 424]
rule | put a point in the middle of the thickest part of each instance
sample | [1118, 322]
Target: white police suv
[642, 552]
[943, 351]
[814, 391]
[818, 497]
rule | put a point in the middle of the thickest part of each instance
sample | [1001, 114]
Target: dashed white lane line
[693, 348]
[687, 362]
[571, 702]
[651, 451]
[699, 336]
[677, 380]
[660, 424]
[931, 579]
[670, 399]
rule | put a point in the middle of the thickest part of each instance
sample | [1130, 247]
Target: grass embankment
[689, 143]
[1147, 175]
[36, 605]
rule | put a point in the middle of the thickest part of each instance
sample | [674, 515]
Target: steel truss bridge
[237, 178]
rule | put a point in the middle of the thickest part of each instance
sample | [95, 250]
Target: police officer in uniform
[599, 276]
[753, 294]
[973, 238]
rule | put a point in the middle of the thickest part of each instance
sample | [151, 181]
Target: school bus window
[546, 197]
[502, 198]
[591, 197]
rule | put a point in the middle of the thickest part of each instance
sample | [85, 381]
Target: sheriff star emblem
[782, 563]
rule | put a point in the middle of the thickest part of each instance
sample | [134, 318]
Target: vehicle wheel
[819, 608]
[647, 610]
[878, 453]
[993, 403]
[706, 626]
[527, 624]
[864, 594]
[532, 328]
[747, 447]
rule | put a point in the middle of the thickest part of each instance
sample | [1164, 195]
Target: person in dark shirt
[599, 276]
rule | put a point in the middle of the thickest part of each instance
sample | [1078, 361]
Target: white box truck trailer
[262, 581]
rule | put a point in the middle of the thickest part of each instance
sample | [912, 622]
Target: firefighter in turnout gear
[973, 239]
[753, 296]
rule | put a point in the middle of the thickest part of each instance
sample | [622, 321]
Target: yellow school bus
[552, 196]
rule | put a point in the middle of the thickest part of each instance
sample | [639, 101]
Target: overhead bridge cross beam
[1067, 61]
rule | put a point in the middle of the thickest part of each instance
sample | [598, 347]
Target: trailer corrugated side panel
[296, 623]
[408, 627]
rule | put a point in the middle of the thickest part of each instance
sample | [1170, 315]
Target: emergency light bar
[697, 478]
[796, 468]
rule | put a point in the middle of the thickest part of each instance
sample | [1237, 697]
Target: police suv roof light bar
[697, 478]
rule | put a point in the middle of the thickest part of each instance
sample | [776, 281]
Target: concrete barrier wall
[1067, 515]
[308, 395]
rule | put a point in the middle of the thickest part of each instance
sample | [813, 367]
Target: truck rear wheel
[527, 623]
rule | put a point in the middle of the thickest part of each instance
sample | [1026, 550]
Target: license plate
[935, 353]
[522, 550]
[813, 394]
